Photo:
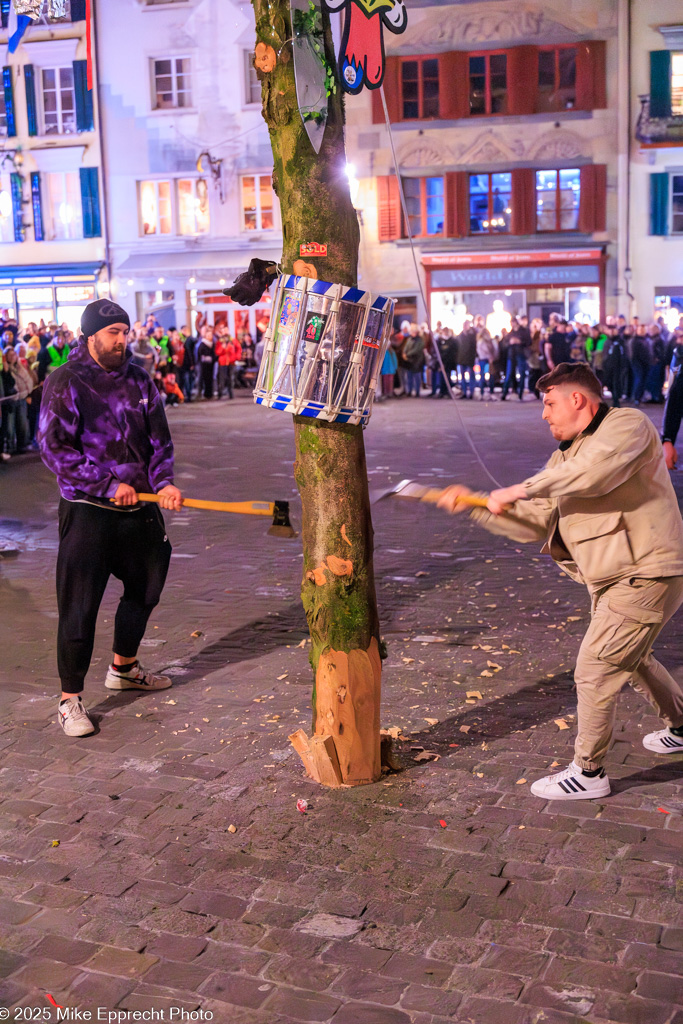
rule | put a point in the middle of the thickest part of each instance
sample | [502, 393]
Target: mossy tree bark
[338, 588]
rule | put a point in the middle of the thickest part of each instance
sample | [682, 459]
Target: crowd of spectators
[184, 366]
[632, 359]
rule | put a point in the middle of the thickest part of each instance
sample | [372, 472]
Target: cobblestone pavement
[162, 863]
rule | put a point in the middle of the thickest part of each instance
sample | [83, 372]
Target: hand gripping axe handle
[419, 492]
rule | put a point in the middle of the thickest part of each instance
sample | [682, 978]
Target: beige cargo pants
[617, 649]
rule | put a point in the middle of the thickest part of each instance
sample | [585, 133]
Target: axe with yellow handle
[277, 510]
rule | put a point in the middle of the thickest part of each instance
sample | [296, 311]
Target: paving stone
[516, 961]
[237, 989]
[172, 974]
[630, 1009]
[175, 947]
[415, 968]
[362, 985]
[303, 1006]
[672, 938]
[359, 1013]
[352, 954]
[68, 951]
[122, 962]
[660, 986]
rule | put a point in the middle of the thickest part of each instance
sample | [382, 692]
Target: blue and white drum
[323, 350]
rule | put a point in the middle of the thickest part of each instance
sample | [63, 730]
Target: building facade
[655, 231]
[52, 244]
[504, 117]
[188, 159]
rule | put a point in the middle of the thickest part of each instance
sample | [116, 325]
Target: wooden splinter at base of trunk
[345, 749]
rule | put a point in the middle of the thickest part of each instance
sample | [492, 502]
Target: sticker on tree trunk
[313, 249]
[361, 56]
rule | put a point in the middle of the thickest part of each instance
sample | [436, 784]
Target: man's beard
[109, 360]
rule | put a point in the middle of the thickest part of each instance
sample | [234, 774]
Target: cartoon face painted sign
[361, 57]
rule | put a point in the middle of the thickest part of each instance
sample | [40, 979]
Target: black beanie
[98, 315]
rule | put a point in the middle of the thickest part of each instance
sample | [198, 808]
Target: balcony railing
[655, 131]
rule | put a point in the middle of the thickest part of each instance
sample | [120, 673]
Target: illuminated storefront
[57, 293]
[499, 285]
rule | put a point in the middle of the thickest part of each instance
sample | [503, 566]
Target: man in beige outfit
[606, 509]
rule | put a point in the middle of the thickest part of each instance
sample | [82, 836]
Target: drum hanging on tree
[323, 350]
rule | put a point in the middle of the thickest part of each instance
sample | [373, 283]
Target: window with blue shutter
[4, 12]
[10, 124]
[31, 105]
[90, 199]
[84, 105]
[659, 204]
[18, 206]
[78, 10]
[660, 83]
[36, 202]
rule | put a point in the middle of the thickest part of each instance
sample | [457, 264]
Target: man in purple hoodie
[103, 433]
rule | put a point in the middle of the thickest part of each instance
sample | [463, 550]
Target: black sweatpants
[94, 544]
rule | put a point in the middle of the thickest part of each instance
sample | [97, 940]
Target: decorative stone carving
[423, 152]
[490, 148]
[498, 23]
[557, 145]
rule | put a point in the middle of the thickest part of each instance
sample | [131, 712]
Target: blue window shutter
[31, 106]
[84, 106]
[36, 202]
[90, 199]
[659, 204]
[660, 83]
[18, 206]
[8, 90]
[4, 12]
[78, 10]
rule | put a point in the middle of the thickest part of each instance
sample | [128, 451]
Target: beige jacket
[605, 506]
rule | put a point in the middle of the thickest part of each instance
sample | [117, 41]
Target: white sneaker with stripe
[135, 679]
[664, 742]
[571, 784]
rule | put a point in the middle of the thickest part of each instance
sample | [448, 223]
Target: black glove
[250, 286]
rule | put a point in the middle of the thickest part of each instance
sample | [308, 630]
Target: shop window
[154, 205]
[171, 83]
[557, 78]
[488, 83]
[677, 84]
[6, 209]
[490, 203]
[59, 101]
[677, 204]
[252, 86]
[62, 209]
[420, 88]
[193, 206]
[425, 203]
[257, 202]
[558, 195]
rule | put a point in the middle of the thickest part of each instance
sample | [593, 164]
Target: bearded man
[103, 433]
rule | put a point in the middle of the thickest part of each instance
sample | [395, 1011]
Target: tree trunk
[338, 587]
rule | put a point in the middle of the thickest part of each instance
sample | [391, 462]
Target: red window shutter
[392, 93]
[593, 202]
[591, 84]
[454, 85]
[457, 204]
[388, 208]
[523, 201]
[522, 79]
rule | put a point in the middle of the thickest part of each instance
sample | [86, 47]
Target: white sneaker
[571, 784]
[135, 679]
[664, 742]
[73, 718]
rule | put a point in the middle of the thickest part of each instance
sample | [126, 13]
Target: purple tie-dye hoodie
[99, 428]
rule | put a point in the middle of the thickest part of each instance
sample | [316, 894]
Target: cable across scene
[409, 232]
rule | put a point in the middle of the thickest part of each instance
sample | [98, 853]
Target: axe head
[405, 489]
[281, 526]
